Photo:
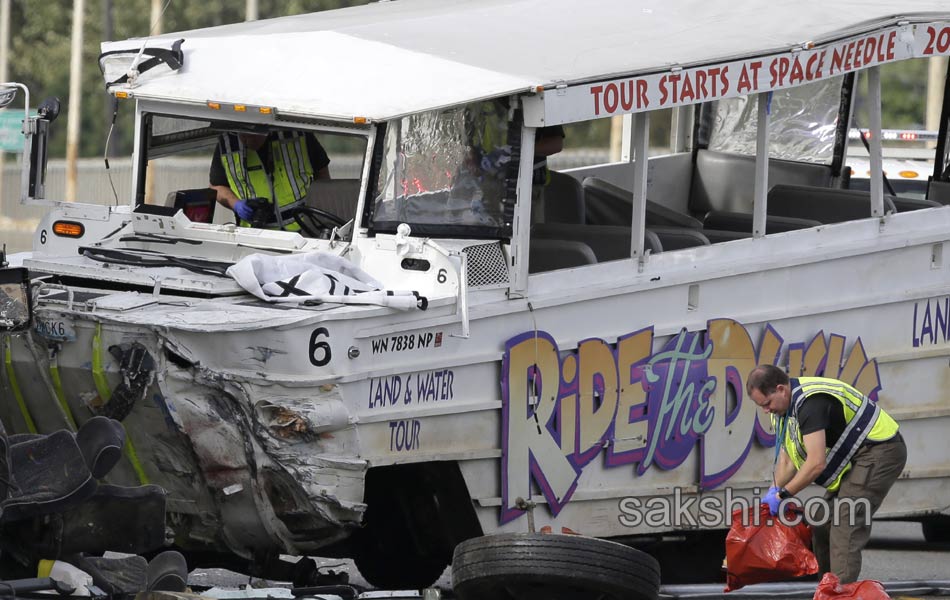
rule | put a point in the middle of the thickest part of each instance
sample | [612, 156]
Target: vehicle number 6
[319, 349]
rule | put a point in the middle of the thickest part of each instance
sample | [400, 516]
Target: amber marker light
[265, 110]
[214, 105]
[122, 95]
[240, 108]
[70, 229]
[909, 174]
[360, 120]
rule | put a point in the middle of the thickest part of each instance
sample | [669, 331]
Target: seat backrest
[335, 196]
[826, 205]
[51, 476]
[720, 222]
[939, 191]
[905, 204]
[723, 181]
[101, 439]
[549, 255]
[675, 238]
[608, 204]
[608, 242]
[563, 200]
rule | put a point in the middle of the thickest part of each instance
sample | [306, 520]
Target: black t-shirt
[318, 159]
[541, 162]
[822, 411]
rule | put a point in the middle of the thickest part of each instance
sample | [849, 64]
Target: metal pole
[521, 227]
[107, 98]
[641, 147]
[4, 60]
[936, 72]
[156, 17]
[617, 138]
[761, 190]
[75, 102]
[628, 140]
[251, 10]
[156, 21]
[877, 163]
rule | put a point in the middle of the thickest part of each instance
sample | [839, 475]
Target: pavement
[897, 552]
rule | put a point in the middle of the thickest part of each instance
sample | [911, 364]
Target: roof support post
[760, 210]
[877, 165]
[681, 129]
[138, 151]
[521, 226]
[641, 146]
[629, 139]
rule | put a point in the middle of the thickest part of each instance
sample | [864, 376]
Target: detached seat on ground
[52, 505]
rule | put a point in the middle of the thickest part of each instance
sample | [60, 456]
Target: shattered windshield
[13, 304]
[445, 171]
[802, 123]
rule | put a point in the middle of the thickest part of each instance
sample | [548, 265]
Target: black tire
[529, 566]
[936, 529]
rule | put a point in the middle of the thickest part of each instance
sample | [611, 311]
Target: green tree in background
[40, 52]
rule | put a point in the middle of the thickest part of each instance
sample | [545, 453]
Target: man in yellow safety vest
[277, 167]
[829, 433]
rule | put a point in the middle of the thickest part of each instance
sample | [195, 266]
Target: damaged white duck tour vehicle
[457, 333]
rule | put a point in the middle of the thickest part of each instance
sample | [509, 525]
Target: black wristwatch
[783, 494]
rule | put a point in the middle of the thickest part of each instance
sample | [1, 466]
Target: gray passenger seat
[563, 200]
[801, 194]
[939, 191]
[608, 242]
[550, 255]
[905, 204]
[724, 181]
[826, 205]
[609, 203]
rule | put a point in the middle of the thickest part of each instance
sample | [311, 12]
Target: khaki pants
[839, 542]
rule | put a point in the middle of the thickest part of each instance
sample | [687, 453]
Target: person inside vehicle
[250, 170]
[490, 157]
[829, 433]
[547, 141]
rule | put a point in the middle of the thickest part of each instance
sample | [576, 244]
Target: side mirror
[45, 114]
[16, 303]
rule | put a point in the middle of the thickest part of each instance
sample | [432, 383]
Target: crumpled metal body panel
[250, 463]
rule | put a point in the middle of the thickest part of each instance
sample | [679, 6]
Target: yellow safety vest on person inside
[292, 174]
[864, 420]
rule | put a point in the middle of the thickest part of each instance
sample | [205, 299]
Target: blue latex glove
[771, 498]
[243, 210]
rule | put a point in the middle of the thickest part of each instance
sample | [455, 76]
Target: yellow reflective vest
[289, 182]
[864, 420]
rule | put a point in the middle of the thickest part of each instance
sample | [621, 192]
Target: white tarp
[394, 58]
[316, 276]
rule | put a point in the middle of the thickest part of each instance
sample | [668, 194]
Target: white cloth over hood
[316, 276]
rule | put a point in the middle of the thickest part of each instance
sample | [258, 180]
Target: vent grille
[487, 266]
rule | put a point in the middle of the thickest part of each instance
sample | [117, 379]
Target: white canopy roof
[398, 57]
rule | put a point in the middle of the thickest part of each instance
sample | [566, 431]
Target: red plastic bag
[831, 588]
[759, 552]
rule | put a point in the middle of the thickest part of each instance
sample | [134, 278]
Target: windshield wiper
[148, 258]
